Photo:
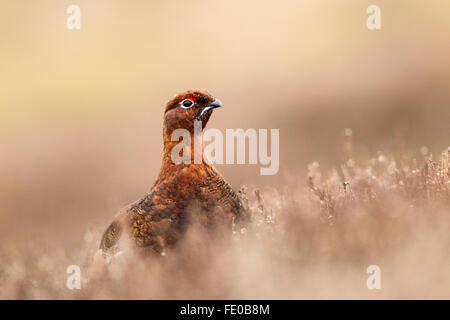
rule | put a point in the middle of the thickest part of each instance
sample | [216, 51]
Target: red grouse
[182, 192]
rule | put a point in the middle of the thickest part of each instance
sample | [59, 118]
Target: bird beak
[213, 105]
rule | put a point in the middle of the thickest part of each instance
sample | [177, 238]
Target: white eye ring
[185, 103]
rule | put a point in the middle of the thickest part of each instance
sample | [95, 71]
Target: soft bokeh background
[81, 110]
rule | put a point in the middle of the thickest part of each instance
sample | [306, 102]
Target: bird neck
[188, 149]
[195, 150]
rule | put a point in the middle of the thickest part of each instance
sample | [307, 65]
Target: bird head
[187, 107]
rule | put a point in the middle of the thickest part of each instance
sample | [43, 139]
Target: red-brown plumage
[181, 193]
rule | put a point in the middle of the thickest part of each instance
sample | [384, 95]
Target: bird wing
[159, 217]
[113, 233]
[111, 236]
[217, 190]
[147, 220]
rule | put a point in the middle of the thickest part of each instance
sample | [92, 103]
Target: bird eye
[186, 103]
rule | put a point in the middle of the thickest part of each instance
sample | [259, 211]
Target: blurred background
[81, 110]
